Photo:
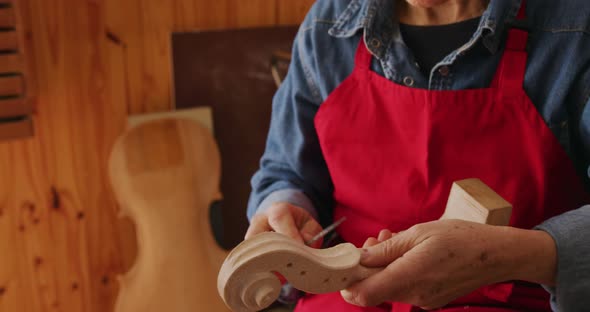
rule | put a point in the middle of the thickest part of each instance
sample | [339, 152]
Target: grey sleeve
[571, 232]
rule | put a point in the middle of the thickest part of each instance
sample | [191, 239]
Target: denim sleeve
[292, 168]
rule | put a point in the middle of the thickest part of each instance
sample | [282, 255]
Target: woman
[388, 102]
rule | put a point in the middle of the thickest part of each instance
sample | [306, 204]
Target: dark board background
[230, 72]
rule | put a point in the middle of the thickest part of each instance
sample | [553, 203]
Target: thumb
[386, 252]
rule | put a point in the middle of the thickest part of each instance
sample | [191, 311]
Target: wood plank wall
[93, 62]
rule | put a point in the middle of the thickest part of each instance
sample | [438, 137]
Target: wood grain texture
[91, 63]
[289, 12]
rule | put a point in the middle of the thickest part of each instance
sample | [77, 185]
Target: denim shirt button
[409, 81]
[375, 43]
[444, 71]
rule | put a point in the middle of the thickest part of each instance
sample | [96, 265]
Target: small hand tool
[325, 232]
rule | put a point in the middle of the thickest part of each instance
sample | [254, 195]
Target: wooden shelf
[11, 86]
[7, 19]
[11, 63]
[8, 41]
[15, 107]
[16, 129]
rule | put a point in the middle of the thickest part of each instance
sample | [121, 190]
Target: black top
[430, 44]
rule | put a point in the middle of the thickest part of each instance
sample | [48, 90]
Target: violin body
[165, 174]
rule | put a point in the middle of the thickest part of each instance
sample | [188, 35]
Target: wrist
[533, 256]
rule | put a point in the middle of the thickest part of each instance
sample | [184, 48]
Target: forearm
[531, 256]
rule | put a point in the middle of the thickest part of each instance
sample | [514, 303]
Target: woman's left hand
[434, 263]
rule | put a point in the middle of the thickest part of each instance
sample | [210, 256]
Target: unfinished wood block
[247, 281]
[473, 200]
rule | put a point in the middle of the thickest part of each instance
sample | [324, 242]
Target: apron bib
[393, 153]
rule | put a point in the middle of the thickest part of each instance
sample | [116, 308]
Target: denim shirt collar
[375, 18]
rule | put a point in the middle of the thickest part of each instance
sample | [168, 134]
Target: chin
[425, 3]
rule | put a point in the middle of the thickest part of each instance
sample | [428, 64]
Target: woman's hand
[383, 236]
[434, 263]
[286, 219]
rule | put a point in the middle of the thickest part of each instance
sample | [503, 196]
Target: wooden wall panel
[143, 29]
[92, 63]
[292, 12]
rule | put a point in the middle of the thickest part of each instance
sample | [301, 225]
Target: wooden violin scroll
[165, 174]
[247, 282]
[247, 279]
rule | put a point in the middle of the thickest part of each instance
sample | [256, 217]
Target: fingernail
[306, 236]
[346, 295]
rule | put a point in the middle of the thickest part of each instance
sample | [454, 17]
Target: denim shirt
[557, 80]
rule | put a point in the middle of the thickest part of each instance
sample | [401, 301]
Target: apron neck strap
[512, 68]
[363, 57]
[517, 38]
[522, 11]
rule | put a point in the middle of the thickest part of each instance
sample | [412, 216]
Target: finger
[394, 283]
[388, 251]
[282, 222]
[258, 224]
[384, 235]
[371, 241]
[309, 230]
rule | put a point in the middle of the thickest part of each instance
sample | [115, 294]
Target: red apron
[393, 153]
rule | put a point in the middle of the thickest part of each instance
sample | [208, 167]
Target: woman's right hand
[287, 219]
